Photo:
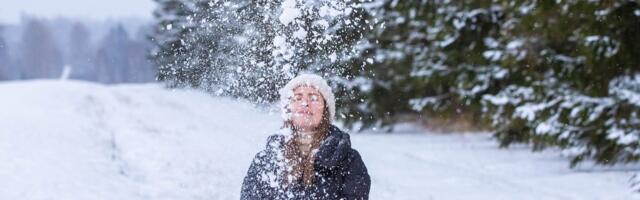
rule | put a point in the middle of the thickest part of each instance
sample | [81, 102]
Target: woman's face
[307, 108]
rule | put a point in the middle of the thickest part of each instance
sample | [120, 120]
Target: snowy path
[77, 140]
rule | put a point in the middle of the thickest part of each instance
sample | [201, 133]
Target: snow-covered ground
[76, 140]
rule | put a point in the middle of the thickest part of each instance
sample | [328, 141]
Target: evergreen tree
[170, 52]
[573, 79]
[142, 69]
[39, 55]
[249, 49]
[112, 61]
[548, 73]
[80, 53]
[5, 61]
[427, 60]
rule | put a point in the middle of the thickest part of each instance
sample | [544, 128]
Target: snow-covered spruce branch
[605, 129]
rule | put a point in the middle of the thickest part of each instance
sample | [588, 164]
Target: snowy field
[76, 140]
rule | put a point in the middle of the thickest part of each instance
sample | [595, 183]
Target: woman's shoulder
[274, 142]
[277, 140]
[353, 154]
[267, 154]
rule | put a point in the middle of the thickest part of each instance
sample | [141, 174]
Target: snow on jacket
[340, 172]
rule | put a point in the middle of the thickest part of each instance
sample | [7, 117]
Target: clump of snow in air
[294, 34]
[289, 12]
[300, 34]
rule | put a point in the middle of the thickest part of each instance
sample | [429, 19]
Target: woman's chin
[305, 125]
[302, 118]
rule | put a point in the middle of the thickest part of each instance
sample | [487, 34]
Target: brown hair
[301, 166]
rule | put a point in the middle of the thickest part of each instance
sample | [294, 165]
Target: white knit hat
[314, 81]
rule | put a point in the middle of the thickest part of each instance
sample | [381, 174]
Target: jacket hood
[333, 151]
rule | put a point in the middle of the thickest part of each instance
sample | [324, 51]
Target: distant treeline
[105, 52]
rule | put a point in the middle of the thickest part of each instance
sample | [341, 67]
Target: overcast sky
[11, 10]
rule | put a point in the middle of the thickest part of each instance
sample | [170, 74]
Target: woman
[309, 158]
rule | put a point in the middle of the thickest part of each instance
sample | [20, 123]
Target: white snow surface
[77, 140]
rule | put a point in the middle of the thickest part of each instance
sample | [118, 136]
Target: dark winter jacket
[340, 172]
